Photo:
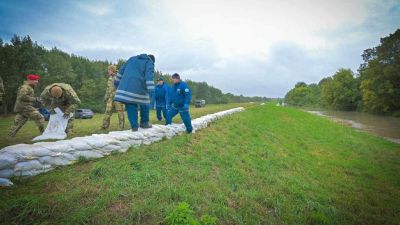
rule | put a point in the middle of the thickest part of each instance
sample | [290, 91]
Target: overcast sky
[249, 47]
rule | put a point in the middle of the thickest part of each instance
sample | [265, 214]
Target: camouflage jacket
[25, 99]
[2, 92]
[110, 92]
[68, 101]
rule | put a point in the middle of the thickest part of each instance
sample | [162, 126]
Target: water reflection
[385, 126]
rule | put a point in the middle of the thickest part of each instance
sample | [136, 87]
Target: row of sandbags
[33, 159]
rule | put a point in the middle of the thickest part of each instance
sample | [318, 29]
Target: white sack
[56, 127]
[6, 173]
[7, 160]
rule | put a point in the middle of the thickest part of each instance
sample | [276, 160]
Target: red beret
[33, 77]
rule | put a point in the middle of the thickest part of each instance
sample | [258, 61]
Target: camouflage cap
[113, 68]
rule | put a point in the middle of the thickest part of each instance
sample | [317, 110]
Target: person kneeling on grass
[180, 98]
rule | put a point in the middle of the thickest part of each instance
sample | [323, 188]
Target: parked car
[200, 103]
[45, 112]
[83, 114]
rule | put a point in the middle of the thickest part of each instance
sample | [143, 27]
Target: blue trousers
[164, 111]
[185, 116]
[132, 110]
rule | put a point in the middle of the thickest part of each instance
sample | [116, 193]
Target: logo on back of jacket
[179, 90]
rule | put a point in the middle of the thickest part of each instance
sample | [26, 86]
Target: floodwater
[384, 126]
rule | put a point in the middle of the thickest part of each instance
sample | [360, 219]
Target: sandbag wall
[32, 159]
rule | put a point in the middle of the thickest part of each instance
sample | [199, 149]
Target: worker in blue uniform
[161, 99]
[134, 83]
[180, 99]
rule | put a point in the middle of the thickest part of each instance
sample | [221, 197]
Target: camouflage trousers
[22, 117]
[119, 107]
[70, 127]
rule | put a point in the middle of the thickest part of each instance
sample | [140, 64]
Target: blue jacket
[181, 95]
[134, 81]
[161, 95]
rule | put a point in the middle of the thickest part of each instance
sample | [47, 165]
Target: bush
[183, 215]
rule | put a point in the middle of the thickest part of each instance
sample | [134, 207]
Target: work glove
[66, 116]
[186, 107]
[37, 103]
[52, 111]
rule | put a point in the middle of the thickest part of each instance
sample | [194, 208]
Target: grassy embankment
[267, 165]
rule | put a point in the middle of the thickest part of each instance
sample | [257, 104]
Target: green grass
[267, 165]
[83, 127]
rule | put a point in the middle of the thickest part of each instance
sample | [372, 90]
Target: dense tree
[341, 92]
[376, 89]
[380, 76]
[23, 56]
[303, 95]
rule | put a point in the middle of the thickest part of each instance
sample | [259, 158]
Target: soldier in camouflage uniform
[64, 97]
[108, 99]
[24, 106]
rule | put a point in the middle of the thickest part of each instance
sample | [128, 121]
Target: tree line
[375, 88]
[22, 56]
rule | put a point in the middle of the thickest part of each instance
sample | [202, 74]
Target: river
[384, 126]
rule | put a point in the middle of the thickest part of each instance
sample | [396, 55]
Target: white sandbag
[7, 160]
[28, 165]
[94, 142]
[27, 152]
[147, 141]
[67, 156]
[56, 127]
[120, 136]
[110, 148]
[152, 135]
[6, 173]
[134, 143]
[54, 161]
[99, 141]
[88, 154]
[78, 144]
[30, 173]
[136, 135]
[176, 128]
[160, 129]
[5, 182]
[64, 156]
[58, 146]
